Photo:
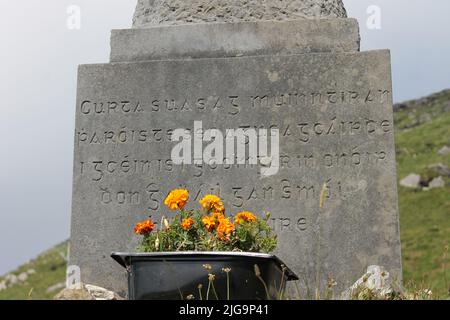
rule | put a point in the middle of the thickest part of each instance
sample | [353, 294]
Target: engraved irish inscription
[333, 113]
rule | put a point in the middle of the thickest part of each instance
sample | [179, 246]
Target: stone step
[237, 39]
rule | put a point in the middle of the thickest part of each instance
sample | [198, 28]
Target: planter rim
[125, 258]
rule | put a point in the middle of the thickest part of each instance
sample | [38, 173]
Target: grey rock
[3, 286]
[411, 181]
[441, 169]
[11, 279]
[73, 294]
[445, 150]
[220, 40]
[55, 287]
[376, 280]
[170, 12]
[101, 294]
[87, 292]
[437, 183]
[31, 271]
[22, 277]
[334, 113]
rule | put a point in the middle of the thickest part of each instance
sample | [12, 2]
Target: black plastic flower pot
[204, 275]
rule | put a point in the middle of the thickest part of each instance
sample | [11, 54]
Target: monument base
[333, 199]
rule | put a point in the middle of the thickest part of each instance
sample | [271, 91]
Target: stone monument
[291, 70]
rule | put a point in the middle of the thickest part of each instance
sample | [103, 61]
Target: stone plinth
[216, 40]
[334, 113]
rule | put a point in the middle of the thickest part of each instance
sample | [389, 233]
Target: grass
[424, 215]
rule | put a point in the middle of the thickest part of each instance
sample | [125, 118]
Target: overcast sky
[39, 57]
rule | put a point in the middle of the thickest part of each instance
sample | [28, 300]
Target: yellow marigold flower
[177, 199]
[225, 229]
[244, 216]
[209, 222]
[187, 224]
[212, 203]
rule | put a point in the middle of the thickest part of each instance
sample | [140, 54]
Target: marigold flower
[225, 229]
[187, 224]
[244, 216]
[177, 199]
[212, 203]
[209, 222]
[145, 227]
[218, 216]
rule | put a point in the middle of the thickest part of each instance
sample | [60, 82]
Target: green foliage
[246, 236]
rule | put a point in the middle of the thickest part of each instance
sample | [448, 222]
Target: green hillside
[46, 271]
[423, 128]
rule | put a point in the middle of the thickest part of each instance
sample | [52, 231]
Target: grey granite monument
[293, 67]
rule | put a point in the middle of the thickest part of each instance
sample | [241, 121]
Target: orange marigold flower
[212, 203]
[225, 229]
[187, 224]
[244, 216]
[218, 216]
[145, 227]
[209, 222]
[177, 199]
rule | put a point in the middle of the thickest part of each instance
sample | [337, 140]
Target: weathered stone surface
[334, 115]
[170, 12]
[220, 40]
[411, 181]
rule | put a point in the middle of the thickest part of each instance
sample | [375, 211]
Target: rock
[11, 280]
[31, 271]
[437, 183]
[172, 12]
[102, 294]
[3, 286]
[411, 181]
[376, 281]
[444, 151]
[74, 294]
[441, 169]
[87, 292]
[22, 277]
[55, 287]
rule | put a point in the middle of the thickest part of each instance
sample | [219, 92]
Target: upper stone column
[175, 12]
